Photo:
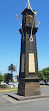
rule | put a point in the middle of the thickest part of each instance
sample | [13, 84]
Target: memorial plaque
[22, 63]
[31, 63]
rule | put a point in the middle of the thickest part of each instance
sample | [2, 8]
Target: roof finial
[28, 4]
[29, 7]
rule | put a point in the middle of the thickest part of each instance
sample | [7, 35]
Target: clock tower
[28, 74]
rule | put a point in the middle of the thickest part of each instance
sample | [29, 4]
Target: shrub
[3, 86]
[1, 78]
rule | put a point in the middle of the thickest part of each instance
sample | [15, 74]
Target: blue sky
[10, 38]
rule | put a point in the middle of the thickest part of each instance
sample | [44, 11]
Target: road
[8, 104]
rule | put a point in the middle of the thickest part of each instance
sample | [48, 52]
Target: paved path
[8, 104]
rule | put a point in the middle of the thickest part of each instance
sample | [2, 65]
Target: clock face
[31, 39]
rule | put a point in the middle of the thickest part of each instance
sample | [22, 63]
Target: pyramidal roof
[28, 6]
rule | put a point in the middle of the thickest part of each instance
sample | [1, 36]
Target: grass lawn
[14, 89]
[42, 86]
[8, 90]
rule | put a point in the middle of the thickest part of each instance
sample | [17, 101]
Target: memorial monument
[28, 74]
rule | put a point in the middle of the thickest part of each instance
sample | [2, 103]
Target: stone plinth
[29, 87]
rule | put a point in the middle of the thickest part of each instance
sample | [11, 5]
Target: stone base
[22, 98]
[29, 87]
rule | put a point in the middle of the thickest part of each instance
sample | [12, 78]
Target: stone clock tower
[28, 74]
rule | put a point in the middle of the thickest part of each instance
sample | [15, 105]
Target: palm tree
[12, 68]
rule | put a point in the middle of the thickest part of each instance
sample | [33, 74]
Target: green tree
[44, 74]
[41, 75]
[1, 78]
[8, 77]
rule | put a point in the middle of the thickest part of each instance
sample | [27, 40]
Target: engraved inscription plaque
[31, 63]
[22, 63]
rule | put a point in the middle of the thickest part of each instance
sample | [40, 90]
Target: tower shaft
[28, 75]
